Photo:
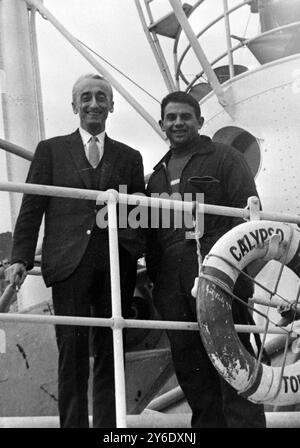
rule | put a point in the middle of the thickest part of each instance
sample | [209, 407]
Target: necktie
[93, 152]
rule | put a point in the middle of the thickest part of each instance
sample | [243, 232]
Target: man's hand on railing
[16, 274]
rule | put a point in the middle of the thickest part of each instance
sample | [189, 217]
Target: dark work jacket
[217, 170]
[61, 161]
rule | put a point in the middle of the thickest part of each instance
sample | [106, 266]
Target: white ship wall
[266, 103]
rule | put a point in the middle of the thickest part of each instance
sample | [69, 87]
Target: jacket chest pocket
[209, 186]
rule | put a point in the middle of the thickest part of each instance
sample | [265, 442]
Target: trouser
[87, 293]
[213, 401]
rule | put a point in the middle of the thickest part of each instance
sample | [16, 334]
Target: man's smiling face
[93, 102]
[180, 123]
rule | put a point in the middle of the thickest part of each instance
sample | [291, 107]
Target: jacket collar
[200, 146]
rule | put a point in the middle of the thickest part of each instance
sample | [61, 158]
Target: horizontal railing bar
[119, 322]
[274, 302]
[78, 193]
[136, 199]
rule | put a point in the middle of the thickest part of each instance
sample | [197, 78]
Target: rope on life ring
[244, 244]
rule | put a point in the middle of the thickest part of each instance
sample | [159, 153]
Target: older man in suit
[75, 254]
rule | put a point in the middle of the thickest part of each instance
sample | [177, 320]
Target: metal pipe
[212, 78]
[46, 190]
[243, 44]
[15, 149]
[129, 323]
[78, 193]
[223, 97]
[73, 41]
[206, 28]
[274, 302]
[119, 368]
[166, 400]
[175, 55]
[160, 59]
[36, 73]
[228, 38]
[219, 58]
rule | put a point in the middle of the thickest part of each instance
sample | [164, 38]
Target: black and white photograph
[149, 218]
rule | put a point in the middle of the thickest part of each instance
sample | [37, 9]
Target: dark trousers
[213, 401]
[87, 293]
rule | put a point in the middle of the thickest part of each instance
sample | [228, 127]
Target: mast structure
[21, 118]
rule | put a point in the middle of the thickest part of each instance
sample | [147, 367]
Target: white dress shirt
[85, 136]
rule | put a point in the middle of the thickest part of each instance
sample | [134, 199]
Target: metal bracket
[254, 208]
[198, 223]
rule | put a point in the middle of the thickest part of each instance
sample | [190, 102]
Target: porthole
[244, 142]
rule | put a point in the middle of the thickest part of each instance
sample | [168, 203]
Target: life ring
[254, 240]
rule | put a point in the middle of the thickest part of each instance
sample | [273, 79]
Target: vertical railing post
[228, 39]
[254, 208]
[119, 368]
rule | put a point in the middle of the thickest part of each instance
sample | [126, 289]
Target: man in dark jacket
[75, 254]
[194, 165]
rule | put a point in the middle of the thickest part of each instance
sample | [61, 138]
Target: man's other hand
[16, 274]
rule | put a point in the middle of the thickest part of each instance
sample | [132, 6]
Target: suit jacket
[61, 161]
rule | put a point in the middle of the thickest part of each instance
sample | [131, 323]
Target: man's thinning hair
[180, 97]
[89, 76]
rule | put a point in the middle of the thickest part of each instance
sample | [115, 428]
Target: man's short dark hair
[180, 97]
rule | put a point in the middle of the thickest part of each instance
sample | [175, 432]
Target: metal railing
[241, 45]
[224, 16]
[117, 322]
[193, 37]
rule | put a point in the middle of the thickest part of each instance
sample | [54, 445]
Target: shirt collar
[200, 145]
[85, 136]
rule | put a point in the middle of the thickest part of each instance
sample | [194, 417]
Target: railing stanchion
[228, 38]
[119, 370]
